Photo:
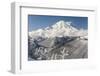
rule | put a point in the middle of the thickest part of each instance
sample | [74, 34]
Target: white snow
[59, 29]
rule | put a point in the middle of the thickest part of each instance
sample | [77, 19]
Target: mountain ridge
[59, 29]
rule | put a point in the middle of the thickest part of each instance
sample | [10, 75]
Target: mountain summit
[59, 29]
[63, 25]
[59, 25]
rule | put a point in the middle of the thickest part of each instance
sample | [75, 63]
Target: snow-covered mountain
[59, 29]
[60, 41]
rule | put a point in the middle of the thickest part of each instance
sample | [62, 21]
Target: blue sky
[42, 21]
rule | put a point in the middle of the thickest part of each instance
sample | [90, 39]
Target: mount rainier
[59, 41]
[59, 29]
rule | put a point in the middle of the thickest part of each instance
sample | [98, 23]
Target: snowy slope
[59, 29]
